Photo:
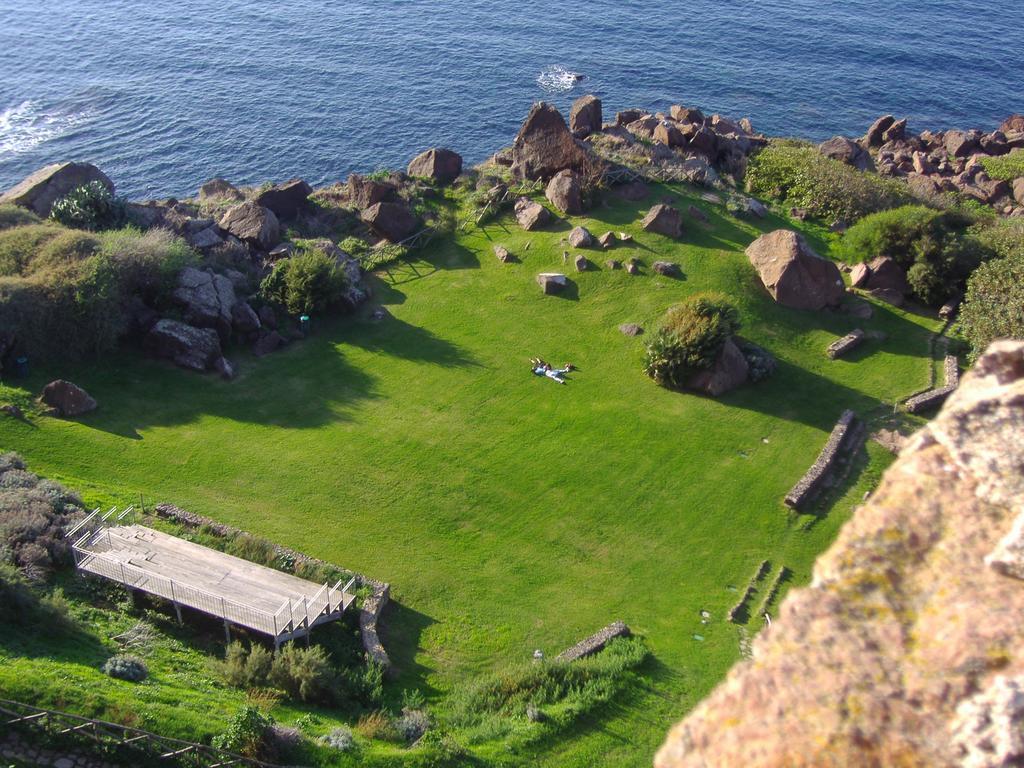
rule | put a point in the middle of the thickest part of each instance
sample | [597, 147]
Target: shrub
[994, 305]
[799, 175]
[244, 668]
[1005, 167]
[377, 725]
[690, 339]
[147, 263]
[16, 216]
[33, 513]
[90, 206]
[247, 732]
[309, 281]
[305, 674]
[126, 666]
[1003, 237]
[341, 739]
[412, 724]
[890, 233]
[19, 245]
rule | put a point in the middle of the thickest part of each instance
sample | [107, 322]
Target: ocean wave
[29, 124]
[558, 79]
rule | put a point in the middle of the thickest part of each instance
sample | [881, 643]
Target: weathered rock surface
[253, 224]
[664, 220]
[503, 255]
[184, 345]
[847, 151]
[907, 647]
[580, 237]
[219, 189]
[794, 274]
[286, 200]
[552, 282]
[208, 299]
[441, 165]
[39, 191]
[67, 399]
[530, 214]
[565, 192]
[392, 221]
[585, 116]
[364, 192]
[244, 319]
[666, 268]
[886, 274]
[729, 371]
[581, 262]
[544, 145]
[630, 329]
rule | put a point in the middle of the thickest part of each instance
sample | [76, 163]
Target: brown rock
[392, 221]
[607, 240]
[552, 282]
[564, 191]
[627, 116]
[704, 141]
[544, 145]
[613, 264]
[846, 151]
[859, 275]
[886, 274]
[890, 296]
[585, 116]
[581, 263]
[669, 134]
[1012, 123]
[364, 192]
[664, 220]
[580, 237]
[666, 268]
[875, 135]
[630, 329]
[793, 273]
[67, 399]
[960, 144]
[39, 191]
[531, 215]
[896, 132]
[503, 255]
[644, 127]
[441, 165]
[1018, 190]
[633, 267]
[686, 114]
[253, 224]
[729, 372]
[286, 200]
[906, 648]
[219, 189]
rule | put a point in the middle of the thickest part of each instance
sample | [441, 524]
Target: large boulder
[875, 137]
[585, 116]
[906, 648]
[392, 221]
[187, 346]
[364, 192]
[544, 145]
[67, 399]
[244, 319]
[565, 192]
[207, 298]
[253, 224]
[580, 237]
[530, 214]
[219, 189]
[441, 165]
[286, 200]
[846, 151]
[664, 220]
[794, 274]
[39, 191]
[669, 134]
[729, 372]
[1012, 124]
[960, 143]
[886, 274]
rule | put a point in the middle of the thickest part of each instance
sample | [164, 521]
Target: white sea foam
[558, 79]
[29, 124]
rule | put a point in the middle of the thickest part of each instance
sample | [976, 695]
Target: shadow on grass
[401, 628]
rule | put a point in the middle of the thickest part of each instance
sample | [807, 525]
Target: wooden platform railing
[157, 748]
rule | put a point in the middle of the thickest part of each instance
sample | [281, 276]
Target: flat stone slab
[552, 282]
[847, 343]
[596, 642]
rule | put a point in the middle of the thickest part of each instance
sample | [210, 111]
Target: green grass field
[509, 513]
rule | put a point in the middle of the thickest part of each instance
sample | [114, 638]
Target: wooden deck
[227, 587]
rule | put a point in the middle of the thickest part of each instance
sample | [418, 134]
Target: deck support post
[227, 631]
[177, 610]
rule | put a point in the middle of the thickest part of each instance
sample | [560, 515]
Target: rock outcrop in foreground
[908, 647]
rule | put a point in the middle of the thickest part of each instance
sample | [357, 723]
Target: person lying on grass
[540, 368]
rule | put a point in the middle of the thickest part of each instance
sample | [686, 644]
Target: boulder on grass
[186, 346]
[859, 275]
[886, 274]
[208, 299]
[286, 200]
[585, 116]
[253, 224]
[39, 191]
[580, 237]
[544, 145]
[503, 255]
[664, 220]
[666, 268]
[581, 263]
[530, 214]
[565, 192]
[630, 329]
[633, 267]
[67, 399]
[441, 165]
[729, 372]
[392, 221]
[793, 273]
[607, 240]
[552, 282]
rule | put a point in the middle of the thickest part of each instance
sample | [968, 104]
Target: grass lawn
[510, 513]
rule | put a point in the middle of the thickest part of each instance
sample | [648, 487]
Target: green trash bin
[21, 367]
[304, 324]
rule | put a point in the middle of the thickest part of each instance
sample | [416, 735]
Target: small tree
[690, 338]
[310, 281]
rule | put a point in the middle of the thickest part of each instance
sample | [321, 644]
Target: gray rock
[580, 237]
[253, 224]
[208, 299]
[267, 317]
[530, 214]
[581, 263]
[729, 372]
[185, 345]
[205, 239]
[219, 189]
[552, 282]
[666, 268]
[503, 255]
[565, 192]
[631, 329]
[664, 220]
[243, 318]
[267, 343]
[224, 367]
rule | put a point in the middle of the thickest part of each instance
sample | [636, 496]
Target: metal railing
[15, 714]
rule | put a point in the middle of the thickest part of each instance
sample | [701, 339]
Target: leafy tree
[690, 338]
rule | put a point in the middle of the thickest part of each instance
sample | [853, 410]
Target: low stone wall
[595, 642]
[811, 482]
[370, 611]
[933, 398]
[848, 343]
[756, 579]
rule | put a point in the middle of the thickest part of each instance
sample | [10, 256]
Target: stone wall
[14, 746]
[596, 642]
[936, 396]
[907, 649]
[848, 343]
[842, 437]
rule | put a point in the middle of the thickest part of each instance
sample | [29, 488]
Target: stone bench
[848, 343]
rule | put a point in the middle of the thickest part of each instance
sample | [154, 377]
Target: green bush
[307, 282]
[247, 668]
[1003, 237]
[690, 338]
[797, 174]
[90, 206]
[994, 305]
[247, 733]
[16, 216]
[1005, 167]
[305, 674]
[126, 666]
[20, 244]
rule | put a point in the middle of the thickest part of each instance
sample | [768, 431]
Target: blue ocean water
[163, 96]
